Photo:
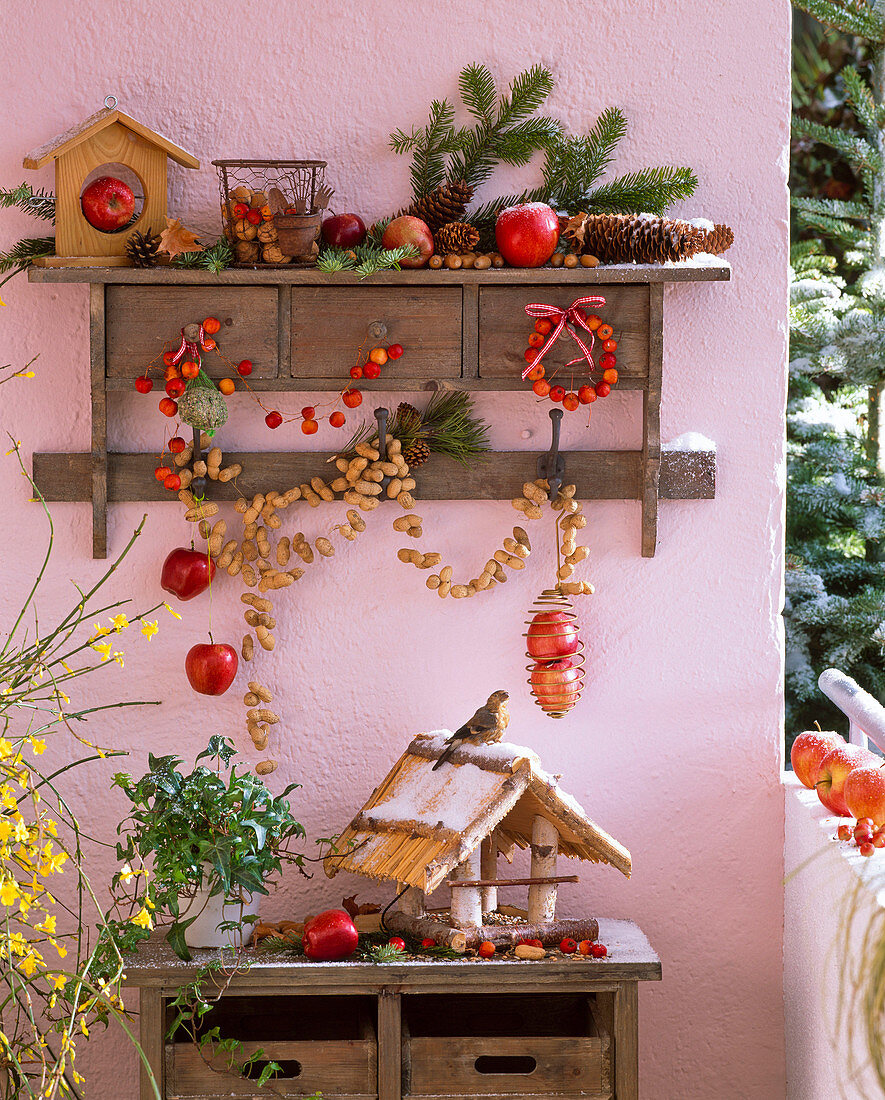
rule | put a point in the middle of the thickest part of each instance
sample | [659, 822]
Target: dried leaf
[175, 239]
[350, 906]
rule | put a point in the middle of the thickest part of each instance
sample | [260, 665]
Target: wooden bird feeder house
[108, 139]
[423, 829]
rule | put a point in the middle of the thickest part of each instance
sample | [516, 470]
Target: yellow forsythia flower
[119, 622]
[149, 629]
[143, 919]
[104, 650]
[171, 612]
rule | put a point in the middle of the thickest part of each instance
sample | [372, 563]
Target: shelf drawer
[323, 1044]
[520, 1046]
[329, 324]
[143, 320]
[504, 328]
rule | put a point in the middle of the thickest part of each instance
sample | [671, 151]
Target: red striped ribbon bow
[190, 346]
[567, 319]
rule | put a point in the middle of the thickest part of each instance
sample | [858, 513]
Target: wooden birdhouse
[108, 140]
[424, 829]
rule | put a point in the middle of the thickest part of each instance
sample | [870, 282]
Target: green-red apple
[808, 750]
[865, 793]
[833, 772]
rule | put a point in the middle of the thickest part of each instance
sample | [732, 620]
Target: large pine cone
[459, 237]
[143, 248]
[633, 238]
[718, 239]
[446, 203]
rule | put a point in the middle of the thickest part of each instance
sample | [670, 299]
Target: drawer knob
[377, 330]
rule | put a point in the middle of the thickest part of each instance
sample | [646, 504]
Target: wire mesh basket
[271, 210]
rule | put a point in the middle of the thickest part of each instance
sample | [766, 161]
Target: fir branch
[649, 190]
[477, 87]
[383, 259]
[39, 204]
[834, 208]
[855, 149]
[216, 258]
[860, 96]
[429, 146]
[835, 228]
[23, 252]
[845, 17]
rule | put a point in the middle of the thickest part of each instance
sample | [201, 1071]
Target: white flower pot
[210, 912]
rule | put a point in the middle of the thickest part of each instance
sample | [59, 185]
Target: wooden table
[453, 1029]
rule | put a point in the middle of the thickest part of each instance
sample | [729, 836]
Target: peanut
[367, 488]
[368, 504]
[302, 549]
[265, 638]
[258, 602]
[251, 617]
[431, 560]
[241, 505]
[408, 484]
[261, 691]
[525, 950]
[565, 571]
[203, 509]
[248, 647]
[340, 485]
[183, 457]
[236, 564]
[204, 529]
[406, 501]
[295, 574]
[444, 589]
[250, 550]
[265, 767]
[268, 716]
[230, 472]
[459, 591]
[284, 550]
[578, 554]
[356, 521]
[346, 531]
[366, 451]
[263, 542]
[185, 477]
[341, 465]
[321, 488]
[248, 574]
[325, 547]
[445, 574]
[200, 468]
[259, 735]
[533, 492]
[355, 469]
[310, 496]
[250, 699]
[433, 581]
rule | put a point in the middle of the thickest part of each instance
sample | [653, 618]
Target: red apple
[409, 230]
[556, 684]
[865, 793]
[527, 235]
[329, 936]
[344, 230]
[808, 750]
[833, 772]
[211, 667]
[187, 573]
[108, 204]
[552, 634]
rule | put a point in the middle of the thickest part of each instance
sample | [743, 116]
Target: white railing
[865, 714]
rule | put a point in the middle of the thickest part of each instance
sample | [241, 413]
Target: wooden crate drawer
[519, 1045]
[504, 327]
[329, 324]
[323, 1044]
[142, 319]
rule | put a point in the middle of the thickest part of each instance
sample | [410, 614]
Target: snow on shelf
[690, 441]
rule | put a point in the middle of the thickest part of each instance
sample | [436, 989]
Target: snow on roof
[420, 823]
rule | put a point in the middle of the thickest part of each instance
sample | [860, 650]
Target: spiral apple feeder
[556, 674]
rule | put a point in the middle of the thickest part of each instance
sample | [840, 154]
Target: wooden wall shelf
[300, 327]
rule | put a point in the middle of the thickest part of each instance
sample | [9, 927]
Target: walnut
[267, 233]
[247, 252]
[271, 254]
[245, 231]
[241, 193]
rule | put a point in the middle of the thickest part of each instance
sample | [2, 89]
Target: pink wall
[676, 747]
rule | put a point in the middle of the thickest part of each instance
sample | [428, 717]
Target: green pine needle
[39, 204]
[23, 252]
[216, 258]
[850, 18]
[366, 259]
[649, 190]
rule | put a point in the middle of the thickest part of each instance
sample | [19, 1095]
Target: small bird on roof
[486, 726]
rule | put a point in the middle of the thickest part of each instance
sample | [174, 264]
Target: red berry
[556, 393]
[486, 949]
[168, 407]
[610, 375]
[244, 367]
[337, 419]
[428, 943]
[541, 387]
[356, 372]
[860, 831]
[144, 384]
[273, 419]
[168, 358]
[254, 217]
[867, 848]
[607, 360]
[175, 387]
[543, 326]
[211, 325]
[309, 427]
[866, 823]
[308, 412]
[603, 389]
[531, 354]
[568, 946]
[532, 943]
[395, 351]
[536, 340]
[584, 947]
[586, 395]
[610, 345]
[371, 370]
[593, 322]
[570, 402]
[398, 942]
[240, 210]
[176, 444]
[172, 482]
[598, 950]
[844, 832]
[352, 398]
[190, 369]
[879, 840]
[162, 472]
[536, 372]
[605, 332]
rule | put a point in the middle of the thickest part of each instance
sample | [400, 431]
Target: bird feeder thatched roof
[419, 824]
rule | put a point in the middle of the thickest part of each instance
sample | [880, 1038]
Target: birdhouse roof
[419, 824]
[98, 122]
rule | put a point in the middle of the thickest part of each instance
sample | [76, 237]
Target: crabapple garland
[540, 339]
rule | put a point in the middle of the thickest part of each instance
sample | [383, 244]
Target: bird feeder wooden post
[489, 864]
[467, 900]
[412, 901]
[545, 846]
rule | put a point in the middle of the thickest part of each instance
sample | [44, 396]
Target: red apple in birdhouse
[211, 667]
[329, 936]
[552, 634]
[186, 572]
[527, 235]
[108, 204]
[556, 684]
[409, 230]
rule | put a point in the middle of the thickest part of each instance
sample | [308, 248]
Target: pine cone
[457, 237]
[718, 239]
[407, 417]
[417, 454]
[142, 248]
[633, 238]
[446, 203]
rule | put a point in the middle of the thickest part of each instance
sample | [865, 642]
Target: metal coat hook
[382, 415]
[552, 464]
